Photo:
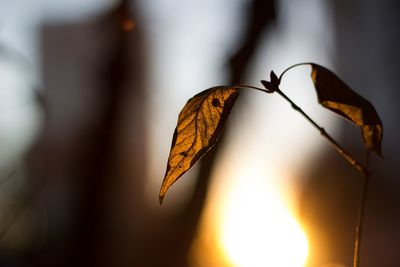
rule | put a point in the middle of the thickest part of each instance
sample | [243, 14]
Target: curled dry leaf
[199, 125]
[335, 95]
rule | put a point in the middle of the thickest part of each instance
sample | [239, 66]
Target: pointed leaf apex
[274, 79]
[161, 199]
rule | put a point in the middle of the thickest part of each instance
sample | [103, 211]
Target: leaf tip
[372, 135]
[274, 79]
[161, 199]
[163, 191]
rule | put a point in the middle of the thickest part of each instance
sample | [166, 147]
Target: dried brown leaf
[337, 96]
[199, 126]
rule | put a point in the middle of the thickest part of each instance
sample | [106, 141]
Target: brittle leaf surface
[199, 126]
[338, 97]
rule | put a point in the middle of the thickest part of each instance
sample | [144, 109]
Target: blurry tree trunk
[94, 74]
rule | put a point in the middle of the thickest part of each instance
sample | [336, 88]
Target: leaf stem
[360, 215]
[293, 66]
[243, 86]
[322, 131]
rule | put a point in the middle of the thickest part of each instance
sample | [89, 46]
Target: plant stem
[245, 86]
[360, 216]
[359, 166]
[293, 66]
[322, 131]
[355, 163]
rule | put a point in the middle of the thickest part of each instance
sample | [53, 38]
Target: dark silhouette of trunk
[94, 73]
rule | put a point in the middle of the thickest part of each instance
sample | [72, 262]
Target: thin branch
[363, 169]
[245, 86]
[293, 66]
[360, 216]
[359, 166]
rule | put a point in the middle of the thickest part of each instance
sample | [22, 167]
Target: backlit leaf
[199, 125]
[335, 95]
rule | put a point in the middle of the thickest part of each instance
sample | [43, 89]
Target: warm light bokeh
[258, 229]
[252, 225]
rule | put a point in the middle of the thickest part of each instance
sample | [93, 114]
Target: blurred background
[90, 92]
